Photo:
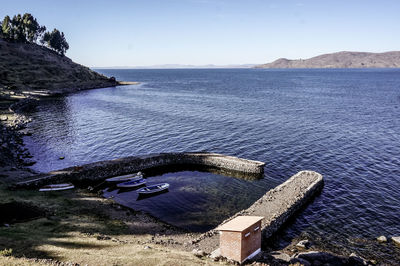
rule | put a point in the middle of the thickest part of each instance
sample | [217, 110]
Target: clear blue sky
[132, 33]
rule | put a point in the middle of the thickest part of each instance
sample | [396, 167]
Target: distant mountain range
[334, 60]
[341, 60]
[178, 66]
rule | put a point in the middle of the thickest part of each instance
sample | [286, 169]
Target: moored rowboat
[124, 178]
[56, 187]
[132, 183]
[153, 188]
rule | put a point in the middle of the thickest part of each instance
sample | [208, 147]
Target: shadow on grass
[73, 220]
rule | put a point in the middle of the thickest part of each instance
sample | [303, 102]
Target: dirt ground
[79, 227]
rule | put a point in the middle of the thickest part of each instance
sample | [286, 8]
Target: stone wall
[308, 184]
[276, 206]
[99, 171]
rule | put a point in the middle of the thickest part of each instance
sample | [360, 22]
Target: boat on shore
[124, 178]
[153, 189]
[132, 183]
[56, 187]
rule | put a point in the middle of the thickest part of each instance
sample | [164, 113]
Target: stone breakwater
[98, 171]
[276, 206]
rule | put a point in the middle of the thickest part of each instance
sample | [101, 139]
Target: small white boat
[56, 187]
[153, 188]
[132, 183]
[124, 178]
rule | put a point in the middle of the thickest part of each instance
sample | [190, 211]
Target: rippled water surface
[342, 123]
[196, 201]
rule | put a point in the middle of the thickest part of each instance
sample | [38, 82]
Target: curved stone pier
[99, 171]
[276, 206]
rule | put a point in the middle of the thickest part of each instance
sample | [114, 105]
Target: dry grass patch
[82, 228]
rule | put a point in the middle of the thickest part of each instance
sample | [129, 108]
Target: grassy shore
[79, 227]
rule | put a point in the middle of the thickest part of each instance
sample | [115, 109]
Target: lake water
[343, 124]
[195, 201]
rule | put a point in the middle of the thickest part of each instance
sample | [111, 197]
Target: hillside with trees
[26, 29]
[32, 58]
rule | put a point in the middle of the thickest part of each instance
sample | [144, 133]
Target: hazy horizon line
[177, 66]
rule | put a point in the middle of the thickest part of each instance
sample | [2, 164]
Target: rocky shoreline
[14, 103]
[13, 154]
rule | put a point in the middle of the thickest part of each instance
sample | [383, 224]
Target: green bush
[6, 252]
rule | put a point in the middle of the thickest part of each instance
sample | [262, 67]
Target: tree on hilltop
[21, 28]
[6, 30]
[18, 28]
[56, 41]
[32, 29]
